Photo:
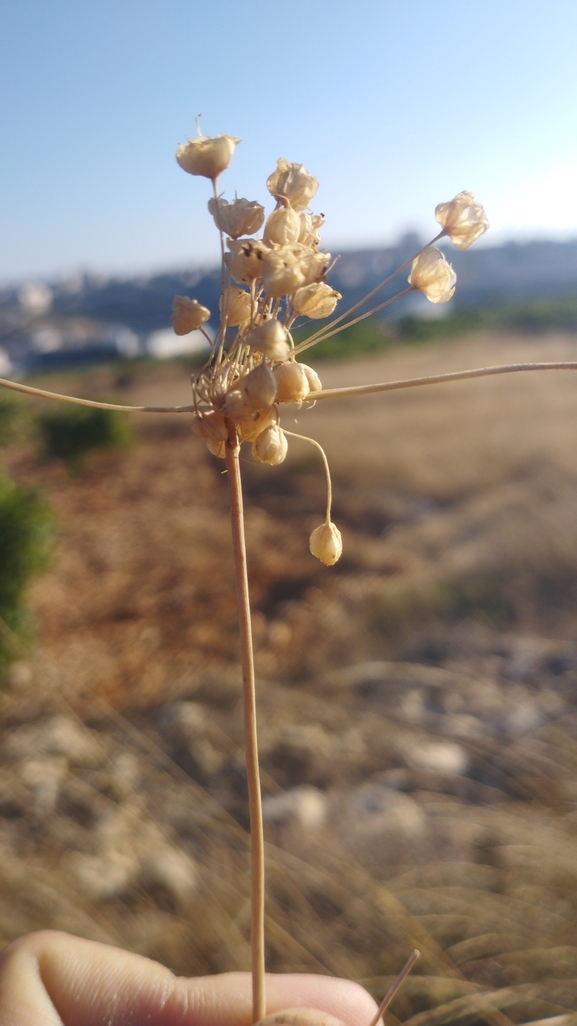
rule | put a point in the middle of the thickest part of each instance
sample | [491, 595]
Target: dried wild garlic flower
[433, 276]
[463, 219]
[326, 543]
[293, 183]
[316, 301]
[253, 367]
[241, 217]
[205, 156]
[188, 315]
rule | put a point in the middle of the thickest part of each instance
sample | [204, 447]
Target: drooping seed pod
[293, 182]
[292, 384]
[463, 219]
[282, 227]
[211, 425]
[206, 156]
[270, 339]
[315, 384]
[188, 315]
[270, 446]
[316, 301]
[326, 543]
[241, 217]
[245, 260]
[433, 276]
[259, 387]
[238, 306]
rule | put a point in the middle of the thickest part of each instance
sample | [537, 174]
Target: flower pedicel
[267, 285]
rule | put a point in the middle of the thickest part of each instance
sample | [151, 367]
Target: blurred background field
[417, 702]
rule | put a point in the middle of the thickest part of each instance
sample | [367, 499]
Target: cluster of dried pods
[271, 283]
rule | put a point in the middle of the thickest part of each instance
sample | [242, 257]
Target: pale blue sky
[394, 105]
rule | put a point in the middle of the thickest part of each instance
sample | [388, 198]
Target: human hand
[54, 979]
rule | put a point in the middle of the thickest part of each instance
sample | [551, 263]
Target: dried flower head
[326, 543]
[241, 217]
[463, 219]
[237, 304]
[292, 385]
[206, 156]
[188, 315]
[293, 183]
[432, 275]
[271, 446]
[316, 301]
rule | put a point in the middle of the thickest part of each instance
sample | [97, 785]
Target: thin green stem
[251, 748]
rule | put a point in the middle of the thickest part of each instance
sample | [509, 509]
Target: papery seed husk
[251, 427]
[206, 156]
[246, 259]
[238, 306]
[188, 315]
[463, 219]
[282, 227]
[294, 183]
[315, 384]
[259, 387]
[241, 217]
[216, 448]
[266, 337]
[326, 543]
[270, 446]
[211, 425]
[316, 301]
[292, 384]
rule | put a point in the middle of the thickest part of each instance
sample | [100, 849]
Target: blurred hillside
[91, 319]
[417, 702]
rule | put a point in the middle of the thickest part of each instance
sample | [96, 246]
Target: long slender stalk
[249, 701]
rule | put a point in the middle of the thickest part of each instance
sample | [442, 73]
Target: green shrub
[70, 433]
[26, 532]
[9, 415]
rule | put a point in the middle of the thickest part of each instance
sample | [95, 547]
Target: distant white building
[165, 343]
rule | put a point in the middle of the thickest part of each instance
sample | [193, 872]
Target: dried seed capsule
[326, 543]
[259, 387]
[315, 384]
[246, 259]
[270, 339]
[282, 273]
[310, 225]
[282, 227]
[211, 425]
[216, 448]
[238, 306]
[242, 217]
[463, 219]
[433, 276]
[291, 382]
[270, 446]
[293, 182]
[251, 427]
[236, 406]
[206, 156]
[188, 315]
[316, 301]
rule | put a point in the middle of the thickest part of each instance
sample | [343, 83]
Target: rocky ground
[418, 703]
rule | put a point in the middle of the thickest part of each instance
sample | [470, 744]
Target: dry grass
[420, 696]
